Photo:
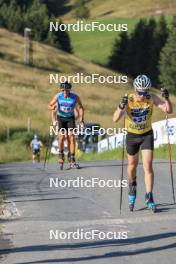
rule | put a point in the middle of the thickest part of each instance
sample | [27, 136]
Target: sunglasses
[142, 93]
[67, 90]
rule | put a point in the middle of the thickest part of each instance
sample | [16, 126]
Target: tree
[18, 14]
[139, 52]
[2, 2]
[57, 7]
[160, 38]
[174, 21]
[37, 19]
[81, 10]
[59, 39]
[118, 59]
[140, 48]
[167, 64]
[3, 14]
[14, 18]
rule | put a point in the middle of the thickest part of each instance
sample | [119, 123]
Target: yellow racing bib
[139, 115]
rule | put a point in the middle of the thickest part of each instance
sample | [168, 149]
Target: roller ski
[132, 196]
[74, 166]
[72, 163]
[150, 202]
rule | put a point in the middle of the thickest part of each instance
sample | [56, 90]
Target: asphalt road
[39, 210]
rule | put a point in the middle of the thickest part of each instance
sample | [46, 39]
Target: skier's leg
[132, 165]
[72, 146]
[61, 139]
[132, 147]
[68, 147]
[33, 157]
[38, 156]
[72, 140]
[147, 148]
[147, 158]
[73, 163]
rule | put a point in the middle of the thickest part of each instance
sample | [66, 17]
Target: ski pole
[170, 159]
[47, 148]
[122, 169]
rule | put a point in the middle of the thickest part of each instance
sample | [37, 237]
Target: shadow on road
[47, 199]
[108, 255]
[164, 207]
[96, 244]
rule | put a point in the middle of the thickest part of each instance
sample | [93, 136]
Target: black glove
[165, 93]
[123, 102]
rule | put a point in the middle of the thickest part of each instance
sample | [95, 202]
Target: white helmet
[142, 83]
[35, 136]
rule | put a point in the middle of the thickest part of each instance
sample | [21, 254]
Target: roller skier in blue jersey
[66, 102]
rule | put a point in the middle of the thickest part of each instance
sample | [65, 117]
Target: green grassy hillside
[98, 45]
[25, 91]
[126, 8]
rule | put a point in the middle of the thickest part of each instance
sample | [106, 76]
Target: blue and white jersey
[36, 144]
[66, 106]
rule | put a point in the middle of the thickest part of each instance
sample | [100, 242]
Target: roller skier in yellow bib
[138, 107]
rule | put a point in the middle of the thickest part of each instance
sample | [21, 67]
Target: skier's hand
[81, 126]
[123, 102]
[51, 107]
[165, 93]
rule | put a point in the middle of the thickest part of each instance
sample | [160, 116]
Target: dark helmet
[65, 86]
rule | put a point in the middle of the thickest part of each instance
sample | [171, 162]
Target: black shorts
[36, 151]
[66, 123]
[135, 142]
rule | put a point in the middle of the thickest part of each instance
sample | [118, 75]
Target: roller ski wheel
[150, 202]
[131, 207]
[152, 207]
[74, 165]
[61, 164]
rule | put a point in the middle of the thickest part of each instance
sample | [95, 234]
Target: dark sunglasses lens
[143, 93]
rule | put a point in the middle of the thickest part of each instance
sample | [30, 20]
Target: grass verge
[116, 154]
[18, 147]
